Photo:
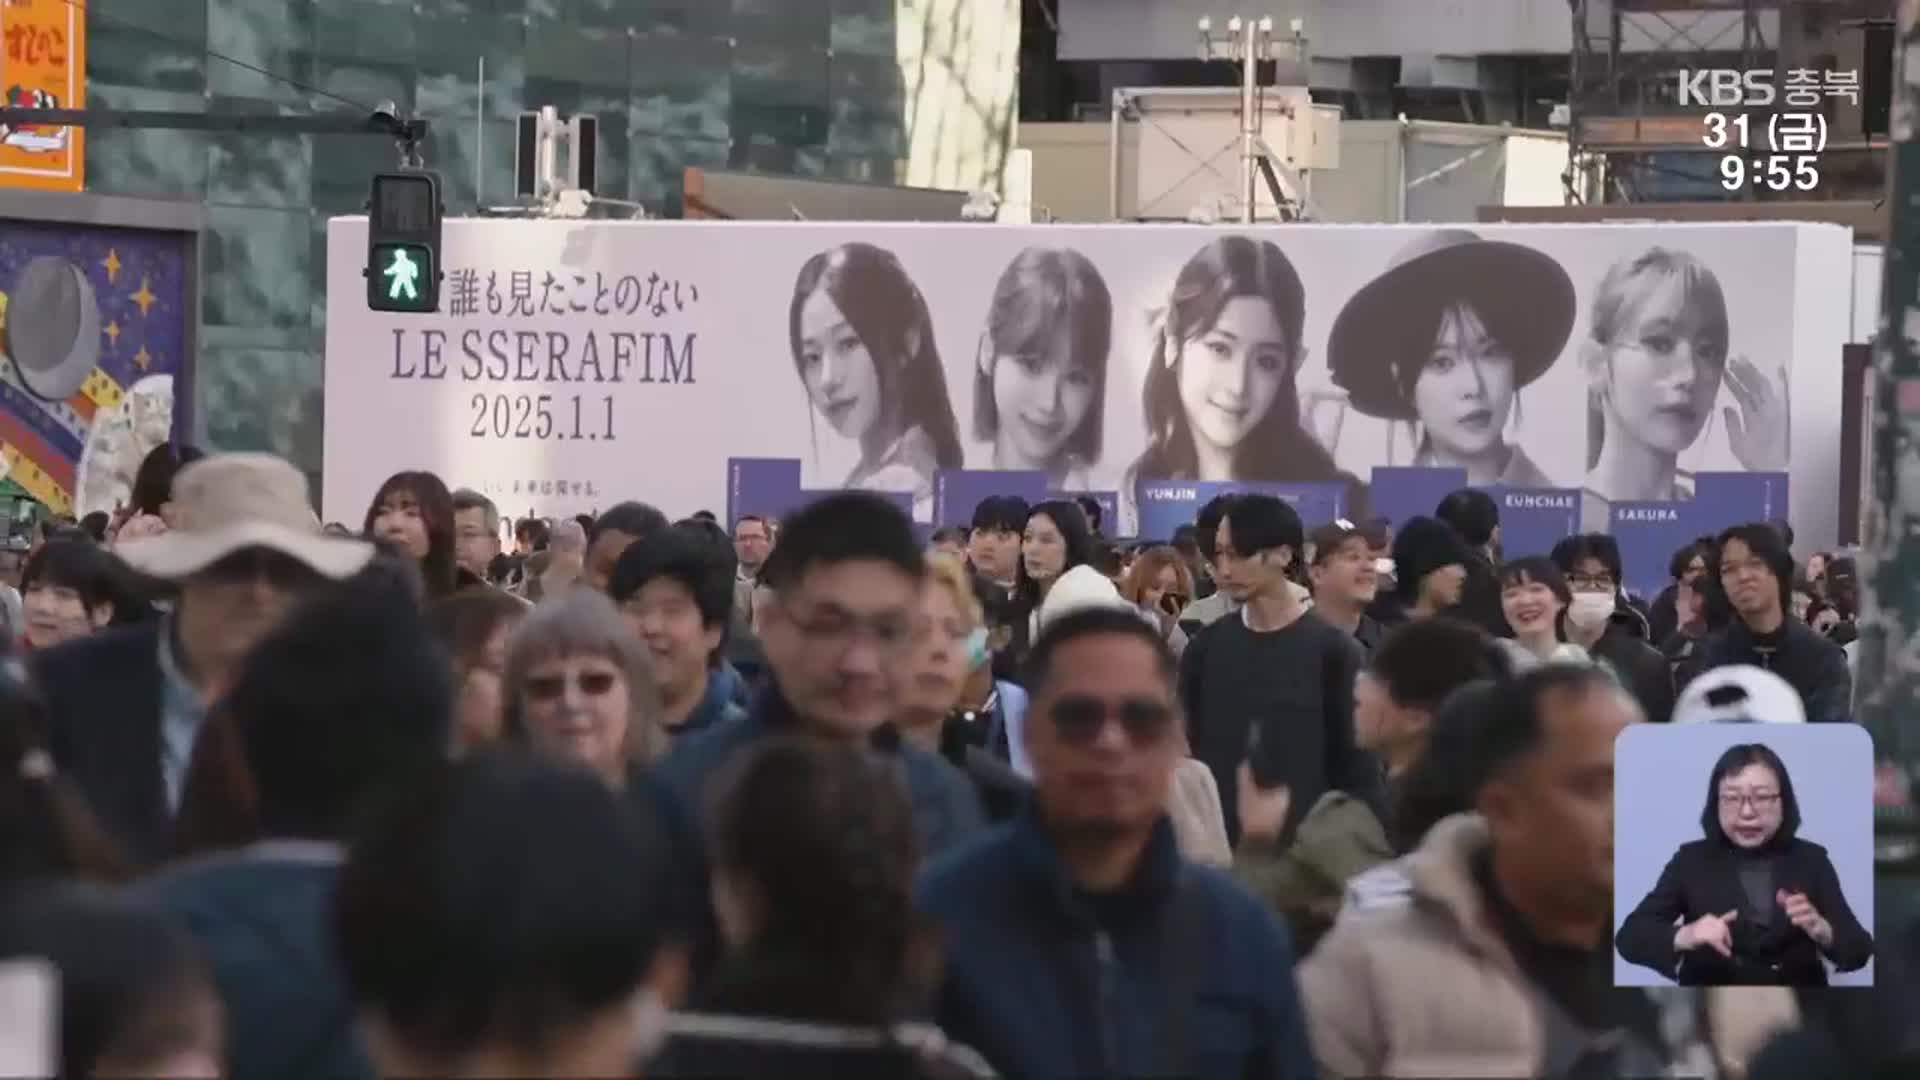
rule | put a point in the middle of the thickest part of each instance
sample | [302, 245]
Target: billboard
[94, 323]
[578, 363]
[43, 65]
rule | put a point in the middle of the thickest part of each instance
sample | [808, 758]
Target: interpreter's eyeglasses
[1080, 719]
[1758, 800]
[553, 687]
[1590, 582]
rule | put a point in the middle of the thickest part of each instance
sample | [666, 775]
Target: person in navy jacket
[846, 579]
[1078, 941]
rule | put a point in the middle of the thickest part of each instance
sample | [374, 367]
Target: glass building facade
[816, 88]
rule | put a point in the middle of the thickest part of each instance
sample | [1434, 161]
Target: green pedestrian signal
[401, 274]
[402, 277]
[403, 243]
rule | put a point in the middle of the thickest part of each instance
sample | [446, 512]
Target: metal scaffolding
[1624, 116]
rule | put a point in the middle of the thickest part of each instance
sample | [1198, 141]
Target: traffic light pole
[383, 121]
[403, 235]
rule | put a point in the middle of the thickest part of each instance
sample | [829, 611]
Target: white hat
[1739, 694]
[1079, 588]
[229, 502]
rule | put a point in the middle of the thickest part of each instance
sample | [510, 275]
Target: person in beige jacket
[1487, 953]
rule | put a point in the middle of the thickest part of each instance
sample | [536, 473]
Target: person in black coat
[1756, 576]
[1600, 620]
[1751, 904]
[1476, 517]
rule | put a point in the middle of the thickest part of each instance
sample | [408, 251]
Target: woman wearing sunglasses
[579, 687]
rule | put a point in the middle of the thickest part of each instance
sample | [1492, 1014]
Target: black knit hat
[1421, 546]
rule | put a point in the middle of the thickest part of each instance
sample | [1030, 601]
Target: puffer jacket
[1416, 981]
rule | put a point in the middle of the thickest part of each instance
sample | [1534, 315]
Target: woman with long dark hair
[474, 625]
[1220, 395]
[413, 512]
[149, 507]
[828, 962]
[863, 346]
[1040, 384]
[1750, 904]
[1056, 541]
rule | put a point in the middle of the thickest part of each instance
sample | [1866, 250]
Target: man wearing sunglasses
[1079, 941]
[127, 706]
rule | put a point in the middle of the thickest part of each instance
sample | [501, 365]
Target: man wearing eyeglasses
[1079, 941]
[1756, 571]
[838, 633]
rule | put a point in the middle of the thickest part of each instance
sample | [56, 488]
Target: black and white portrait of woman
[1659, 350]
[1219, 397]
[1751, 903]
[864, 349]
[1040, 382]
[1445, 340]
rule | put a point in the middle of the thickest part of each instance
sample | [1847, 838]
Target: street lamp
[1247, 42]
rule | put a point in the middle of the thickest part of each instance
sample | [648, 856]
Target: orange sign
[43, 65]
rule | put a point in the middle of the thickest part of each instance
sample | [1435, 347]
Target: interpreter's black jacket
[1703, 878]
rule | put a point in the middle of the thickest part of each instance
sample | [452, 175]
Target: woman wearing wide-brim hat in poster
[1445, 339]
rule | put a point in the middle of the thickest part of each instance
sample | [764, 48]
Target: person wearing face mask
[989, 698]
[1612, 631]
[1751, 904]
[949, 646]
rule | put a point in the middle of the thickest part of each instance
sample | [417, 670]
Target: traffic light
[403, 243]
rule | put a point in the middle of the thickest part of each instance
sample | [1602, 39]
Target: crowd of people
[634, 796]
